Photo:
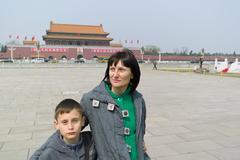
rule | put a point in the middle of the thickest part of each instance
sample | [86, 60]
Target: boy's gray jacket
[107, 125]
[55, 149]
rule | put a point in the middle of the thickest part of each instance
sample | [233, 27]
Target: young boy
[67, 143]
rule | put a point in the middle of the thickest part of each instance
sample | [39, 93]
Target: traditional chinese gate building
[77, 35]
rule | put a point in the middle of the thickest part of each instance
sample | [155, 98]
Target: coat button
[125, 113]
[126, 131]
[129, 148]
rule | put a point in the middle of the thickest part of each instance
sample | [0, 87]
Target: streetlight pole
[38, 49]
[11, 49]
[142, 53]
[159, 56]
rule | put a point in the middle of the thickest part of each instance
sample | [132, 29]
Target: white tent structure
[235, 67]
[221, 66]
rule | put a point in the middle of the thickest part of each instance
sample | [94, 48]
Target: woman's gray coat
[106, 122]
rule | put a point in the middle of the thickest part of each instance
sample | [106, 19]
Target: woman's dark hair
[128, 60]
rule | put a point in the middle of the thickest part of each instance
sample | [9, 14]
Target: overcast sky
[169, 24]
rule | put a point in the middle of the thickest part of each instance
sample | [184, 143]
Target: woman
[116, 111]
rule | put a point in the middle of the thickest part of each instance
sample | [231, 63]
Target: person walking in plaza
[67, 143]
[201, 63]
[155, 65]
[116, 111]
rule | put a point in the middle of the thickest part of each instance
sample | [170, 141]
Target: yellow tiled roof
[76, 37]
[73, 28]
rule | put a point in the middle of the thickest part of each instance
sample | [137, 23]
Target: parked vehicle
[6, 60]
[194, 61]
[38, 60]
[141, 61]
[80, 60]
[103, 59]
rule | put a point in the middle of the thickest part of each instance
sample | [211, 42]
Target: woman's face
[120, 77]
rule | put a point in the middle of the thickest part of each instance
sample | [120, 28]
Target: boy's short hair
[66, 106]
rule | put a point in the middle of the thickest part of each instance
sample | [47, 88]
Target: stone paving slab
[189, 116]
[191, 156]
[227, 153]
[14, 155]
[194, 146]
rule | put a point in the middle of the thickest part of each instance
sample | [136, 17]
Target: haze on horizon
[169, 24]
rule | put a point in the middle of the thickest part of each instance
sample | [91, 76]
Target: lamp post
[38, 48]
[201, 60]
[202, 51]
[159, 56]
[11, 49]
[142, 53]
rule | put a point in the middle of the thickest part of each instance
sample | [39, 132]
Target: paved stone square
[189, 116]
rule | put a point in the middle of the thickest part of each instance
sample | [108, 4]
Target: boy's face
[69, 125]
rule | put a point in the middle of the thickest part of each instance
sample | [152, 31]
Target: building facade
[60, 52]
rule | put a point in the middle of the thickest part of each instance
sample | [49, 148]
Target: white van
[38, 60]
